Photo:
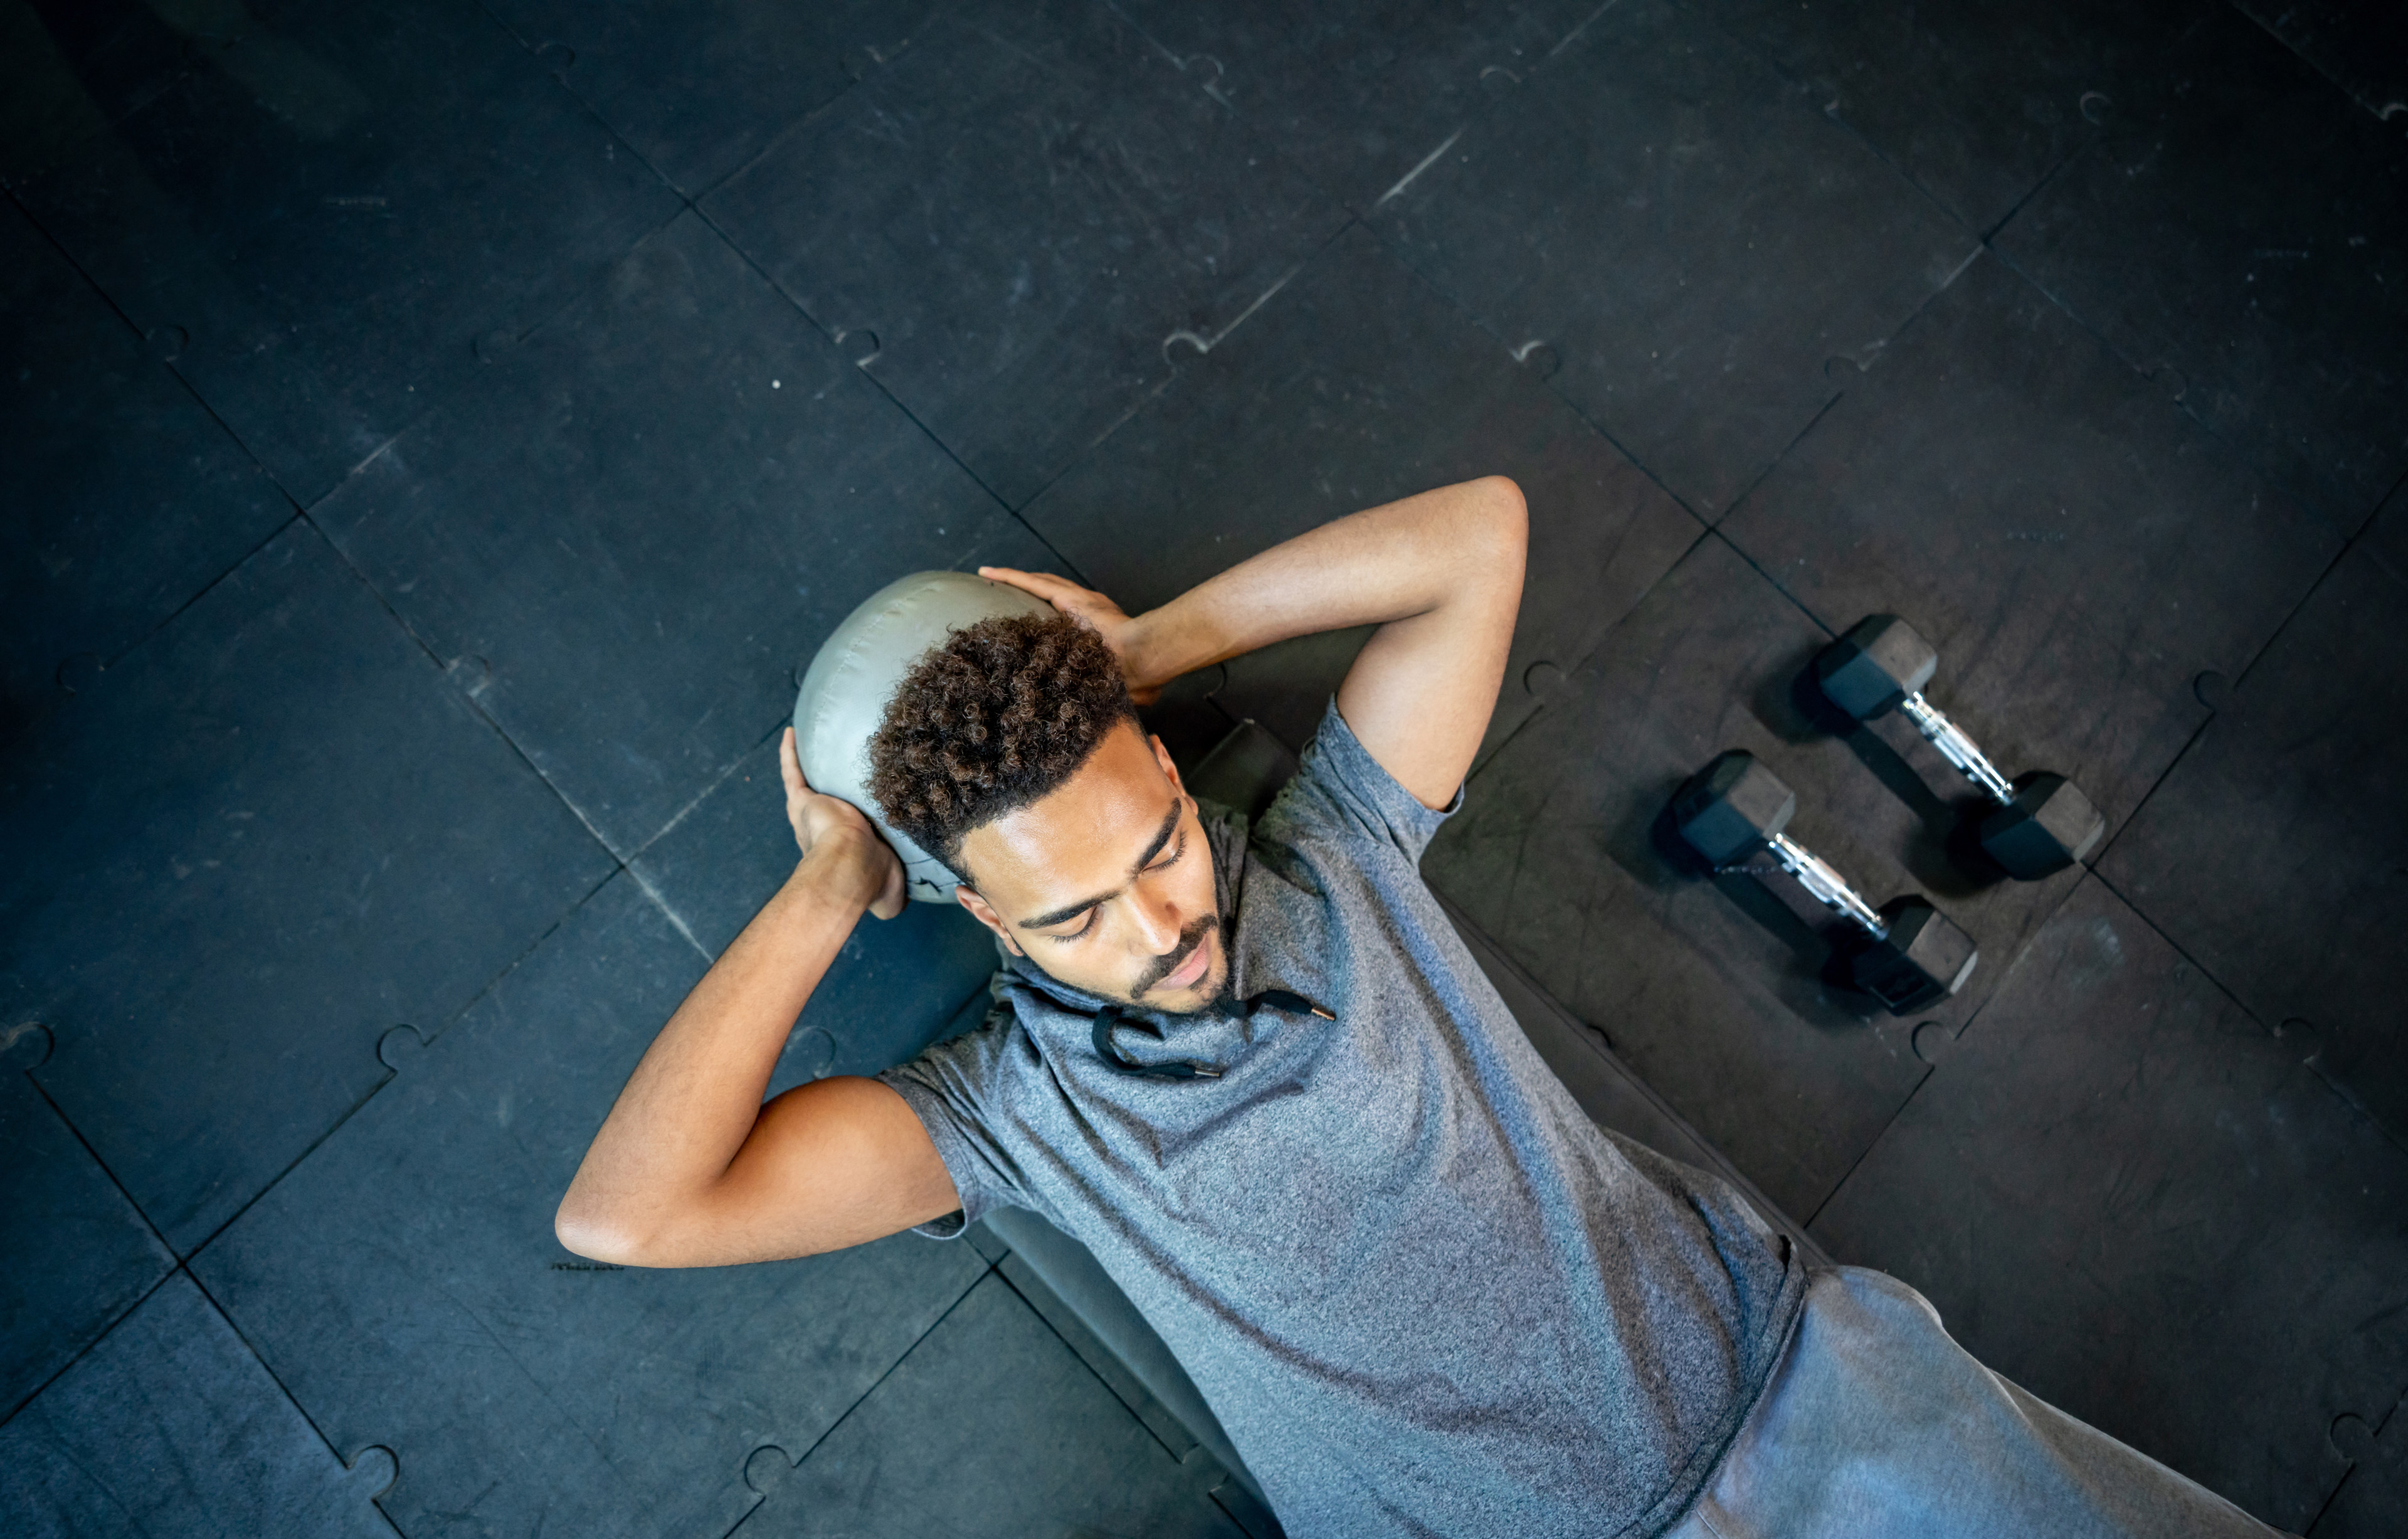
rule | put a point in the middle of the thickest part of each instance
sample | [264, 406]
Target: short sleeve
[1341, 790]
[952, 1089]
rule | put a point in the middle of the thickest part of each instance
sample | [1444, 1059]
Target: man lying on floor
[1255, 1071]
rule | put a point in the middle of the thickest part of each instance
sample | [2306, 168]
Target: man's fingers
[1045, 585]
[1011, 577]
[892, 898]
[789, 764]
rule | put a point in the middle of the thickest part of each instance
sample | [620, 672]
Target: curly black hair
[1002, 713]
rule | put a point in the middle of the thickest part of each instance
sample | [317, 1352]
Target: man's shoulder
[996, 1043]
[1342, 800]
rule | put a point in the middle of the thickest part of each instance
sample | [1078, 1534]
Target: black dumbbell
[1909, 956]
[2041, 824]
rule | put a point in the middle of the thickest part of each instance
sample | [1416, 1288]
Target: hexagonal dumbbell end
[1729, 808]
[1876, 665]
[1923, 959]
[2048, 826]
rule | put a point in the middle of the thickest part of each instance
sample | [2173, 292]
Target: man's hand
[862, 864]
[1440, 574]
[691, 1169]
[1124, 635]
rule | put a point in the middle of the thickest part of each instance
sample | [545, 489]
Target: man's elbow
[1503, 519]
[595, 1235]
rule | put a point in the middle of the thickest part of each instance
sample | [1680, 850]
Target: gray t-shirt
[1421, 1290]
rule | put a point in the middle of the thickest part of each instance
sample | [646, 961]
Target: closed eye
[1178, 852]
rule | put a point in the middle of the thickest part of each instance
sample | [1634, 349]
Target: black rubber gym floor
[434, 433]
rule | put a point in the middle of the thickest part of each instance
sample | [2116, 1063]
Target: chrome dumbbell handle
[1957, 749]
[1830, 887]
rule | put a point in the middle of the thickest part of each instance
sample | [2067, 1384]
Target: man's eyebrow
[1072, 911]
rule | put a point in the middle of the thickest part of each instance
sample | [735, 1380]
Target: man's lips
[1191, 972]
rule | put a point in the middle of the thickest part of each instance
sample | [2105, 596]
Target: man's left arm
[1440, 574]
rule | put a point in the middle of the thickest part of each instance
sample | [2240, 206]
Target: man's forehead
[1081, 839]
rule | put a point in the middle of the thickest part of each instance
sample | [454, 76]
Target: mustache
[1163, 966]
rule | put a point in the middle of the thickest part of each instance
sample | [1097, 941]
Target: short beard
[1190, 938]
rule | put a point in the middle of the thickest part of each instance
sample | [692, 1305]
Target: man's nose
[1157, 926]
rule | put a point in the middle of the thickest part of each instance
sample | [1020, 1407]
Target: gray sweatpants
[1876, 1423]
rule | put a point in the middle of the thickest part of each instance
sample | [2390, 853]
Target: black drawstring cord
[1294, 1004]
[1110, 1016]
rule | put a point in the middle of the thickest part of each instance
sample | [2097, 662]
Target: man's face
[1106, 884]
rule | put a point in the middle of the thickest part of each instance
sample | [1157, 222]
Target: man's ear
[1162, 757]
[984, 911]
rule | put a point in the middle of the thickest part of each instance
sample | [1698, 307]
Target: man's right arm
[691, 1169]
[1440, 574]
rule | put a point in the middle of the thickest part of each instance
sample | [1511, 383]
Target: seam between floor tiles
[2038, 186]
[1068, 1346]
[444, 668]
[2375, 1123]
[1959, 1035]
[768, 145]
[1980, 247]
[1480, 325]
[2331, 1497]
[572, 295]
[704, 795]
[290, 1399]
[141, 339]
[2090, 874]
[676, 920]
[1574, 665]
[2189, 745]
[876, 383]
[42, 713]
[88, 1347]
[2316, 497]
[1807, 91]
[1875, 1141]
[745, 257]
[77, 267]
[2238, 459]
[761, 1499]
[213, 584]
[1484, 106]
[210, 1299]
[1773, 583]
[426, 1038]
[2149, 795]
[1173, 375]
[1764, 472]
[2348, 92]
[2350, 547]
[443, 678]
[2340, 1092]
[2391, 1415]
[132, 1206]
[560, 81]
[699, 797]
[65, 1121]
